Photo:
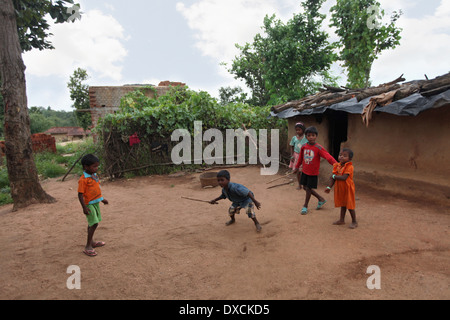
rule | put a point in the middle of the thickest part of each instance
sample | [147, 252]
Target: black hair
[349, 151]
[312, 130]
[224, 174]
[300, 125]
[89, 159]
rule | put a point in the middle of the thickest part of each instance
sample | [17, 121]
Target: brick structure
[43, 143]
[105, 100]
[40, 143]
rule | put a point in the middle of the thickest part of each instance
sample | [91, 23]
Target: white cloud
[94, 43]
[219, 25]
[424, 48]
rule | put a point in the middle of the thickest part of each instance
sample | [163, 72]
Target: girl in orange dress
[344, 190]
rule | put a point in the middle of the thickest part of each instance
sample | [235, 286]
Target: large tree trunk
[25, 186]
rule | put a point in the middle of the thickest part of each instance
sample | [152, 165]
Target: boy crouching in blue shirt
[240, 196]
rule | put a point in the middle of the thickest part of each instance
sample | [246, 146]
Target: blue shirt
[298, 143]
[238, 194]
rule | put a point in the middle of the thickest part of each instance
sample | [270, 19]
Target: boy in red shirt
[309, 159]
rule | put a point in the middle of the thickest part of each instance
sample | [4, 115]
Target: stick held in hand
[198, 200]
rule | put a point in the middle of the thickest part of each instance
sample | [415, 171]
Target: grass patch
[50, 165]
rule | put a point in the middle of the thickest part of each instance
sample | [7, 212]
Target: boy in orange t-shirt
[344, 191]
[90, 196]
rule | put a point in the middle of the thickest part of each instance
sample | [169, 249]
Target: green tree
[23, 26]
[79, 93]
[42, 119]
[362, 37]
[286, 62]
[32, 24]
[38, 122]
[229, 95]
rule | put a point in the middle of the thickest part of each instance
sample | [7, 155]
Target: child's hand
[86, 211]
[295, 170]
[258, 205]
[105, 201]
[213, 202]
[327, 190]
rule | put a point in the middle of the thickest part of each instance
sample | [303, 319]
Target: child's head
[90, 163]
[311, 134]
[223, 178]
[300, 128]
[345, 155]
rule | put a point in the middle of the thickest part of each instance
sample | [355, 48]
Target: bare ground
[162, 247]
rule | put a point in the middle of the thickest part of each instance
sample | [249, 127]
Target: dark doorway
[337, 131]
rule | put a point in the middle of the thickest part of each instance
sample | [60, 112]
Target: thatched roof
[370, 98]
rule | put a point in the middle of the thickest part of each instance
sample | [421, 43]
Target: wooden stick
[192, 199]
[283, 184]
[227, 167]
[287, 174]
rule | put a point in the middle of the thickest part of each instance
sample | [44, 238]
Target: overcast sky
[139, 41]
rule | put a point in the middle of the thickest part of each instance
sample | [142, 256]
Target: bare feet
[353, 225]
[229, 223]
[339, 223]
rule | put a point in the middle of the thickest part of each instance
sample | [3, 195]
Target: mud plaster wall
[419, 145]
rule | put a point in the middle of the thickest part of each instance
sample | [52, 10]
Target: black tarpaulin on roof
[409, 106]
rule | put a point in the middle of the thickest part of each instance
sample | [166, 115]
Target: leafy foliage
[154, 121]
[229, 95]
[79, 93]
[32, 24]
[42, 119]
[179, 109]
[285, 62]
[360, 45]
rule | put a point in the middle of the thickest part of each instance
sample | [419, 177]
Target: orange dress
[344, 191]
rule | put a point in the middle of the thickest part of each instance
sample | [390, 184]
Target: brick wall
[43, 143]
[105, 100]
[40, 143]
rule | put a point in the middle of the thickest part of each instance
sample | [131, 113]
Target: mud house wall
[419, 145]
[320, 122]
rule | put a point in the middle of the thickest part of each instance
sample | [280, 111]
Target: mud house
[398, 132]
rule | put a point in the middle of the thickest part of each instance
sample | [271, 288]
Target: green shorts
[94, 216]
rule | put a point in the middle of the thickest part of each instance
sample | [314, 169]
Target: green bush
[155, 120]
[5, 198]
[179, 109]
[4, 180]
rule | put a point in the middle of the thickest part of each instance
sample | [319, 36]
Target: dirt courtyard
[159, 246]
